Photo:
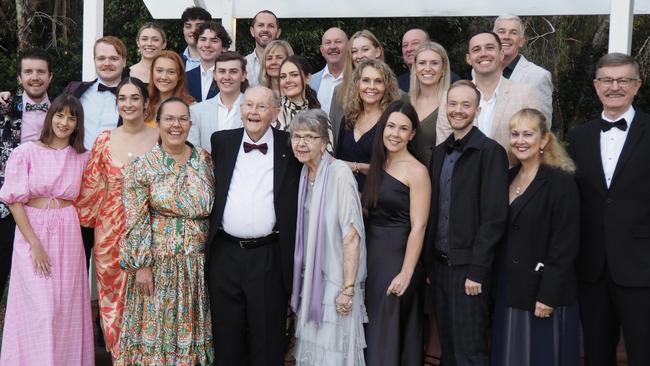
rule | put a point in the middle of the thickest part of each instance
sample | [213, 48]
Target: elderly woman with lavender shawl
[330, 254]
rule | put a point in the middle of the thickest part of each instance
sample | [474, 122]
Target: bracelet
[356, 168]
[348, 286]
[346, 294]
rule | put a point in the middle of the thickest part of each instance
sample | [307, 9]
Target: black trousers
[605, 309]
[248, 304]
[7, 231]
[88, 237]
[462, 319]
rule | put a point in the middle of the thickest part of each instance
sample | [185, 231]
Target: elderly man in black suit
[252, 234]
[469, 211]
[612, 155]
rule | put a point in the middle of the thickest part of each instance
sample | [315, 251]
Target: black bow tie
[102, 88]
[621, 124]
[263, 148]
[29, 107]
[452, 145]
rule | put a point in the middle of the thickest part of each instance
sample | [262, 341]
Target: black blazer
[543, 225]
[286, 174]
[615, 221]
[479, 204]
[194, 85]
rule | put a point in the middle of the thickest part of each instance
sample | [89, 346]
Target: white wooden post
[93, 21]
[621, 19]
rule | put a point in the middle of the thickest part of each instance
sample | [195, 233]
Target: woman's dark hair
[378, 159]
[304, 68]
[60, 104]
[142, 87]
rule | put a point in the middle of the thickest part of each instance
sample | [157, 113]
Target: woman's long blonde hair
[553, 154]
[445, 79]
[265, 80]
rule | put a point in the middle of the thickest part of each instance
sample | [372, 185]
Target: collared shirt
[190, 63]
[611, 144]
[250, 209]
[486, 117]
[229, 119]
[253, 66]
[455, 149]
[326, 89]
[32, 125]
[207, 76]
[100, 113]
[507, 71]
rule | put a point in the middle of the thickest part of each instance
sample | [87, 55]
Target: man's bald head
[410, 42]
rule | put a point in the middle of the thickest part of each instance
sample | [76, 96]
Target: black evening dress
[359, 151]
[394, 329]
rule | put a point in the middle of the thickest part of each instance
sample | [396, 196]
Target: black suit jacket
[543, 226]
[286, 174]
[615, 221]
[479, 204]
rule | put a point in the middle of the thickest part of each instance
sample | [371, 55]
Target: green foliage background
[568, 46]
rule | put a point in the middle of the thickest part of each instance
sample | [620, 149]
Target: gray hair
[617, 59]
[314, 120]
[510, 17]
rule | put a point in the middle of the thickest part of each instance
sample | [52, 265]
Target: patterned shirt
[10, 125]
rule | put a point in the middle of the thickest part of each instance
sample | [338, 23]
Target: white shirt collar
[628, 115]
[496, 90]
[266, 138]
[327, 73]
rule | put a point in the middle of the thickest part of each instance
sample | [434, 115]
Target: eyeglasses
[622, 82]
[307, 139]
[169, 119]
[255, 107]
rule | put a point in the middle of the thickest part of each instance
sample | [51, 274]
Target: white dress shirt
[207, 76]
[485, 118]
[253, 67]
[100, 113]
[250, 210]
[205, 122]
[611, 144]
[326, 89]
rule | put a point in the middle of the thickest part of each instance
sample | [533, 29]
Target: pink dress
[48, 320]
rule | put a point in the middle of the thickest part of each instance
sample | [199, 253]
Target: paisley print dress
[167, 207]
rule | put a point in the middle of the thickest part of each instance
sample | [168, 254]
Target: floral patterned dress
[100, 206]
[167, 206]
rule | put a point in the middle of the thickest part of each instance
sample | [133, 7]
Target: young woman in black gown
[397, 197]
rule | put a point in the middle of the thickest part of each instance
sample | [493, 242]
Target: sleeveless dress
[394, 329]
[360, 150]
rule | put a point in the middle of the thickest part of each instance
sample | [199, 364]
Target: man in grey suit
[516, 67]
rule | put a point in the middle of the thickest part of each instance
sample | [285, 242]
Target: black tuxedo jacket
[543, 226]
[286, 174]
[615, 221]
[194, 85]
[479, 205]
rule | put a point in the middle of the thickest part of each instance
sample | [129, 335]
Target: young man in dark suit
[612, 155]
[469, 211]
[252, 234]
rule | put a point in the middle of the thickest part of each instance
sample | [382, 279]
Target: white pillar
[93, 28]
[621, 19]
[224, 10]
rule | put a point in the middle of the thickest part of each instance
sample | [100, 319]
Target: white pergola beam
[621, 20]
[93, 28]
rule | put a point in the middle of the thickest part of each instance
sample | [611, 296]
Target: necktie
[621, 124]
[29, 107]
[454, 145]
[263, 148]
[102, 88]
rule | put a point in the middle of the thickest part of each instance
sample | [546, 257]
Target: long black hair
[378, 159]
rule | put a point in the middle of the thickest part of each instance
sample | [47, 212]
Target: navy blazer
[543, 225]
[615, 221]
[194, 85]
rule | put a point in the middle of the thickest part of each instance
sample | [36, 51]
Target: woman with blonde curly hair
[274, 53]
[374, 87]
[166, 79]
[536, 313]
[430, 79]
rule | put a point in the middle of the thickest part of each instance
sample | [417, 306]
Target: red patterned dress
[100, 206]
